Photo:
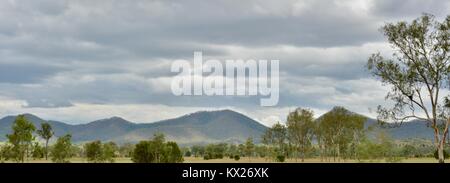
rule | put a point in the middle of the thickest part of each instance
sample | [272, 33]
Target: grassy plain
[252, 160]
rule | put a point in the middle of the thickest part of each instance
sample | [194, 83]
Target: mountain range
[196, 128]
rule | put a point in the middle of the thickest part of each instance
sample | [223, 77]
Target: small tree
[277, 136]
[62, 150]
[45, 133]
[249, 148]
[142, 153]
[21, 138]
[109, 151]
[94, 151]
[173, 153]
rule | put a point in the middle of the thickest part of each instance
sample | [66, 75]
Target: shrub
[237, 157]
[280, 158]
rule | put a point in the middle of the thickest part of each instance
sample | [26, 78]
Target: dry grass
[251, 160]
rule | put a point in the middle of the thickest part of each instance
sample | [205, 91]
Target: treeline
[339, 135]
[335, 136]
[22, 145]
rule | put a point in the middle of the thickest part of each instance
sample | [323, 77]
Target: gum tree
[417, 74]
[46, 133]
[300, 127]
[21, 137]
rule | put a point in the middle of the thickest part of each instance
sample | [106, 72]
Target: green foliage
[172, 153]
[157, 151]
[300, 127]
[94, 152]
[99, 153]
[249, 147]
[38, 151]
[237, 157]
[215, 151]
[277, 137]
[6, 152]
[109, 151]
[381, 148]
[188, 154]
[62, 150]
[143, 153]
[339, 132]
[280, 158]
[21, 138]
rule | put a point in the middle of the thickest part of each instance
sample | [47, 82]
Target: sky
[78, 61]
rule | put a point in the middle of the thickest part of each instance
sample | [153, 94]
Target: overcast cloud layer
[78, 61]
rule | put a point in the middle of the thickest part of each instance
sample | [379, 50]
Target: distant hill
[196, 128]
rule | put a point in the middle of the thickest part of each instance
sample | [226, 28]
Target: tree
[109, 151]
[62, 150]
[300, 126]
[143, 153]
[249, 147]
[21, 137]
[338, 129]
[94, 151]
[173, 153]
[418, 72]
[46, 133]
[276, 136]
[157, 144]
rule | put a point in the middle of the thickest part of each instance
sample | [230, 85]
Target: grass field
[251, 160]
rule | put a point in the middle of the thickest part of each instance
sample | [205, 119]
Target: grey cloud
[26, 73]
[106, 51]
[410, 8]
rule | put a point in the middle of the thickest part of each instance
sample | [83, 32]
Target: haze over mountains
[196, 128]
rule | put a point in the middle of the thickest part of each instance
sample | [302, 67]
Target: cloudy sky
[78, 61]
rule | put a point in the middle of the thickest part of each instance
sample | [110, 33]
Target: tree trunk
[46, 149]
[441, 152]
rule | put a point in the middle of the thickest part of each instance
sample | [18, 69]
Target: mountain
[196, 128]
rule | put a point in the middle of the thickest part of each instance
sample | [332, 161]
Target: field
[251, 160]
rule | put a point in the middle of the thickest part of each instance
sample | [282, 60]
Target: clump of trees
[157, 151]
[22, 143]
[99, 152]
[337, 134]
